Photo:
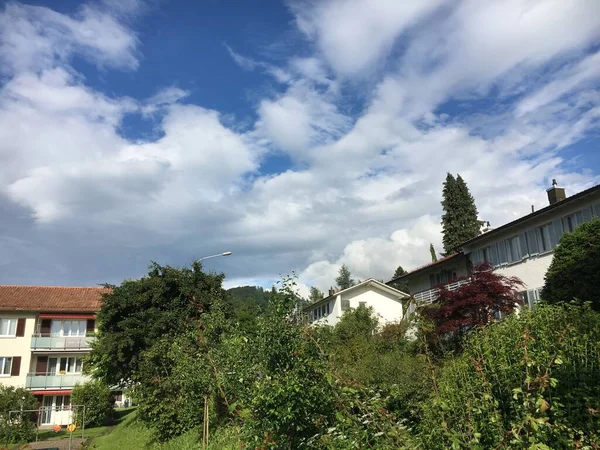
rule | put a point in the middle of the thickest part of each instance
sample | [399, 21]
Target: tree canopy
[460, 221]
[473, 304]
[315, 295]
[138, 313]
[575, 268]
[344, 279]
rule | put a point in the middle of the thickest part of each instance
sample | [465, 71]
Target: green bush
[20, 427]
[98, 400]
[530, 381]
[575, 268]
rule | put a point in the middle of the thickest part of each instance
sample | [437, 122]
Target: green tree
[136, 314]
[399, 272]
[459, 221]
[432, 252]
[344, 279]
[315, 295]
[21, 427]
[98, 400]
[401, 285]
[575, 268]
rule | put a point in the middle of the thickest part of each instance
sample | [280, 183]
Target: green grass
[130, 434]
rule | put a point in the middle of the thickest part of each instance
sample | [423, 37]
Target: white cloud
[34, 38]
[354, 35]
[365, 186]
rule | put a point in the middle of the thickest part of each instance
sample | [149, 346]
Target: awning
[65, 392]
[67, 316]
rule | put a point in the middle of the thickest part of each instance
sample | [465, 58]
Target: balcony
[53, 380]
[430, 295]
[63, 343]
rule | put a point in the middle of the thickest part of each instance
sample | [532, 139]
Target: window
[69, 327]
[5, 364]
[530, 297]
[363, 304]
[345, 305]
[320, 311]
[67, 364]
[8, 327]
[62, 402]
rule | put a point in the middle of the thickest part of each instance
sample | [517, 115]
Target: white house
[45, 331]
[385, 300]
[523, 248]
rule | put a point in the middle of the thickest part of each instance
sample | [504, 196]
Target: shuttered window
[8, 327]
[5, 363]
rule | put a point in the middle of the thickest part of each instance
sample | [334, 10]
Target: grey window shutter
[345, 305]
[532, 244]
[556, 232]
[503, 257]
[579, 215]
[597, 210]
[494, 254]
[587, 214]
[523, 246]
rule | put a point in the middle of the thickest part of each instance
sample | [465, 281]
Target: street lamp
[214, 256]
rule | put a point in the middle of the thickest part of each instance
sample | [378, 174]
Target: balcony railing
[39, 342]
[430, 295]
[53, 380]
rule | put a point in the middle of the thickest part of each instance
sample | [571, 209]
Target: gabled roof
[51, 298]
[427, 266]
[538, 213]
[369, 282]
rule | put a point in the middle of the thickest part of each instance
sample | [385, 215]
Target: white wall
[387, 307]
[530, 271]
[18, 346]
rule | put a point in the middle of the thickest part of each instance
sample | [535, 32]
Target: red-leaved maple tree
[474, 304]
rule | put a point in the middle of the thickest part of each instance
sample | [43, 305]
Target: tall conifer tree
[459, 221]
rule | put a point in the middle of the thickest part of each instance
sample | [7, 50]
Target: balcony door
[53, 407]
[69, 327]
[64, 365]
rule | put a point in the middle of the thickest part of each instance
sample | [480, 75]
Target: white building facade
[44, 334]
[386, 301]
[523, 248]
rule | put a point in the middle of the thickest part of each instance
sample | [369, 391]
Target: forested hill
[249, 295]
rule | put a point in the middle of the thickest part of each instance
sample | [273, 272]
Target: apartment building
[45, 331]
[386, 301]
[523, 248]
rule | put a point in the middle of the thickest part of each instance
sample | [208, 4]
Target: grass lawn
[89, 432]
[132, 435]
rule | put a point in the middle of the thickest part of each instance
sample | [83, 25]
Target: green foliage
[574, 270]
[315, 295]
[98, 400]
[530, 381]
[344, 279]
[459, 221]
[140, 312]
[291, 394]
[432, 253]
[21, 426]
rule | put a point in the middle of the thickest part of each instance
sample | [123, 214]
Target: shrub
[574, 270]
[530, 381]
[98, 400]
[21, 427]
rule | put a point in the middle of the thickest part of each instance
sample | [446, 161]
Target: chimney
[555, 193]
[331, 291]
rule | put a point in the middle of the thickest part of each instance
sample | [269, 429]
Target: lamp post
[214, 256]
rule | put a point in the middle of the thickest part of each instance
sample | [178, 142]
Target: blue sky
[299, 135]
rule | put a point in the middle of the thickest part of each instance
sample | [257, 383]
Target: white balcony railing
[430, 295]
[39, 342]
[53, 380]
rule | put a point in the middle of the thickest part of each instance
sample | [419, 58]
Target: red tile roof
[50, 298]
